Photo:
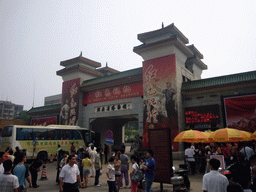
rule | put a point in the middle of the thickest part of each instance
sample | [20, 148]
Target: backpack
[138, 176]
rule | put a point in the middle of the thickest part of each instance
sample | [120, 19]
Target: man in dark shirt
[149, 168]
[34, 168]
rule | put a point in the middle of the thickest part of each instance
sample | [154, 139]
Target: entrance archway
[115, 124]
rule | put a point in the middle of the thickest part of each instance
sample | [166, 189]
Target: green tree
[23, 115]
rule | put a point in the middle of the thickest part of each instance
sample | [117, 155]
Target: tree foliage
[23, 115]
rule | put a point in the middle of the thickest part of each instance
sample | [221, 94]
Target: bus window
[65, 134]
[24, 134]
[76, 135]
[7, 131]
[57, 134]
[40, 134]
[51, 134]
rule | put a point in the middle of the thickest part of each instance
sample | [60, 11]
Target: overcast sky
[36, 35]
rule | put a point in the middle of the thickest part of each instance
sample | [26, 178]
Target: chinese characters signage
[203, 114]
[159, 87]
[241, 112]
[114, 93]
[70, 99]
[44, 121]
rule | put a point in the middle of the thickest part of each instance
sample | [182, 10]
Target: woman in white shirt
[111, 175]
[135, 169]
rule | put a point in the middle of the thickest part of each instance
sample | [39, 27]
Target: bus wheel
[42, 155]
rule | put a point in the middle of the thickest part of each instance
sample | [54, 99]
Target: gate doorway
[115, 124]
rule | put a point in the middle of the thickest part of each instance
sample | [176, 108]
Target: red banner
[44, 121]
[114, 93]
[241, 112]
[159, 78]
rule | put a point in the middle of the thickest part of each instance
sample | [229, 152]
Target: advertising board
[240, 112]
[159, 87]
[70, 102]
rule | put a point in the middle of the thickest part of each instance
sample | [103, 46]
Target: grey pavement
[51, 186]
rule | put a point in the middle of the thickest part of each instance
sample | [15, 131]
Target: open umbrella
[254, 135]
[226, 135]
[207, 134]
[190, 136]
[247, 135]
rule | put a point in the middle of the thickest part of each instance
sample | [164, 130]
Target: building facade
[166, 92]
[9, 110]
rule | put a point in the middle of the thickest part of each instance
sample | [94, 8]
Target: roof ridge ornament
[106, 64]
[80, 54]
[162, 25]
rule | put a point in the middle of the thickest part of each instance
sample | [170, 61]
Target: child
[111, 175]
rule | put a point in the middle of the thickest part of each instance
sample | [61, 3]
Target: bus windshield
[7, 131]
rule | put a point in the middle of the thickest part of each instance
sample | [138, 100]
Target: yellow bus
[43, 141]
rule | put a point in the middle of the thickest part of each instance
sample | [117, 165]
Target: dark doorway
[115, 124]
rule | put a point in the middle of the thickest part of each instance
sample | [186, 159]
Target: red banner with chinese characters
[159, 86]
[70, 102]
[44, 121]
[241, 112]
[114, 93]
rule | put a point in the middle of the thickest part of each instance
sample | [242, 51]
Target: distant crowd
[239, 158]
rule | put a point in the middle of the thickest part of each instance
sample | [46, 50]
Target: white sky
[36, 35]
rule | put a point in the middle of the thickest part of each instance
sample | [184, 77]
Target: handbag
[138, 176]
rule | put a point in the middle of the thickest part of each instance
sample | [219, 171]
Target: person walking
[70, 180]
[111, 175]
[8, 182]
[92, 157]
[117, 166]
[149, 168]
[214, 181]
[86, 164]
[21, 171]
[189, 154]
[97, 165]
[134, 171]
[124, 168]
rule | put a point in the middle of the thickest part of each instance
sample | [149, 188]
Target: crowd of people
[240, 158]
[14, 172]
[75, 167]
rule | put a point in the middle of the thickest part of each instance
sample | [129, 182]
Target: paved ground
[51, 186]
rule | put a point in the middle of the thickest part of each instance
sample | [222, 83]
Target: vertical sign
[160, 143]
[159, 87]
[70, 101]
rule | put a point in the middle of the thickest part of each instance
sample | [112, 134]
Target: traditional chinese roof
[44, 109]
[219, 81]
[129, 76]
[170, 29]
[78, 67]
[80, 59]
[173, 39]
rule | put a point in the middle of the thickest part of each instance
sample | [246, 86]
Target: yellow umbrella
[207, 134]
[226, 135]
[190, 136]
[247, 135]
[254, 135]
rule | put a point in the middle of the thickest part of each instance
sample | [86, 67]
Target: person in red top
[226, 153]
